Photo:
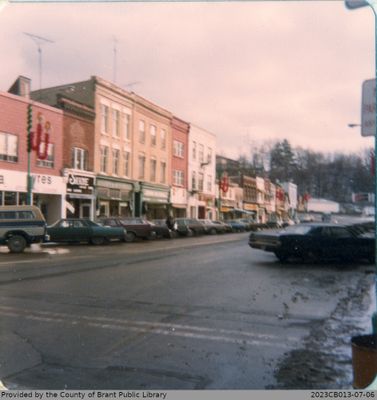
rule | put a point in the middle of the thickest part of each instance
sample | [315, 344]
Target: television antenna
[39, 40]
[115, 59]
[131, 84]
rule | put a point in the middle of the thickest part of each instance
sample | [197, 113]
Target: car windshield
[298, 229]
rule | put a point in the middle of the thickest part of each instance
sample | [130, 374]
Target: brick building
[48, 186]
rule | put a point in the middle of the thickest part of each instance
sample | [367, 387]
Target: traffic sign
[351, 4]
[368, 108]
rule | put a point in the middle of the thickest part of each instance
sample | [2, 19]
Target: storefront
[178, 202]
[114, 197]
[48, 192]
[155, 201]
[80, 199]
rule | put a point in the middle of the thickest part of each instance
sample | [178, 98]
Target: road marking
[159, 328]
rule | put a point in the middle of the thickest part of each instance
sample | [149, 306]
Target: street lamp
[353, 125]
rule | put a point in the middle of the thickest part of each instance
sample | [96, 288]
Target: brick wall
[13, 119]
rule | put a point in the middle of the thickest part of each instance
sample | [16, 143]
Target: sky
[250, 72]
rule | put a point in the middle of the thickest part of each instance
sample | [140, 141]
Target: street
[196, 313]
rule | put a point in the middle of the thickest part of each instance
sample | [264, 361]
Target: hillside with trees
[334, 176]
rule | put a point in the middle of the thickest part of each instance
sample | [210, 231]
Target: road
[195, 313]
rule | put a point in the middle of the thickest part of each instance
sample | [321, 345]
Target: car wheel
[130, 237]
[98, 240]
[16, 244]
[282, 257]
[212, 231]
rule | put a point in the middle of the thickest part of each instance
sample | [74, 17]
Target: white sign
[368, 108]
[351, 4]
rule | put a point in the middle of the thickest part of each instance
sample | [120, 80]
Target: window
[178, 149]
[141, 131]
[209, 183]
[116, 122]
[79, 159]
[115, 161]
[126, 125]
[153, 170]
[126, 163]
[201, 153]
[163, 139]
[49, 160]
[8, 147]
[194, 150]
[178, 178]
[209, 155]
[141, 170]
[153, 133]
[193, 180]
[200, 181]
[104, 118]
[163, 171]
[104, 157]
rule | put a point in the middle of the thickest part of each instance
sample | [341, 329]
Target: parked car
[237, 225]
[251, 224]
[189, 226]
[227, 227]
[20, 226]
[315, 242]
[84, 230]
[136, 227]
[211, 227]
[162, 230]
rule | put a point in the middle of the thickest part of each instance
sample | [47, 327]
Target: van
[20, 226]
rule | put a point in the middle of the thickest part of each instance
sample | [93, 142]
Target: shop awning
[179, 205]
[244, 211]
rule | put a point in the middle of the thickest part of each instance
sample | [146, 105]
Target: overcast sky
[247, 71]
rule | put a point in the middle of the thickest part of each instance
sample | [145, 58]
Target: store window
[10, 198]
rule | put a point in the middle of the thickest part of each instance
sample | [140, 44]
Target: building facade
[48, 186]
[202, 173]
[179, 167]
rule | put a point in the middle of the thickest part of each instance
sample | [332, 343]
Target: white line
[148, 327]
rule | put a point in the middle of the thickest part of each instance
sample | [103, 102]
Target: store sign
[155, 195]
[80, 184]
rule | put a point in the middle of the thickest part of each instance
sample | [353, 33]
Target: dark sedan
[83, 230]
[189, 226]
[315, 242]
[136, 227]
[212, 227]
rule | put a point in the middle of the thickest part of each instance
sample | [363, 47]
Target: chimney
[21, 87]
